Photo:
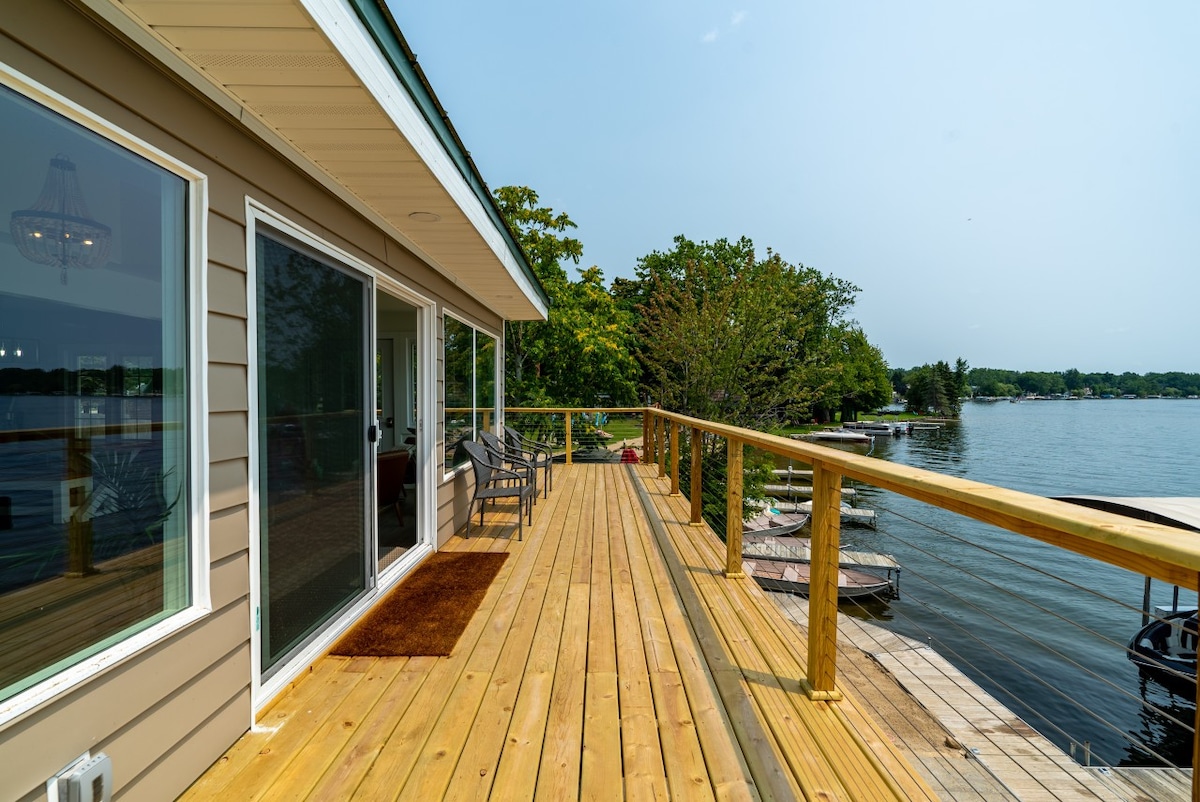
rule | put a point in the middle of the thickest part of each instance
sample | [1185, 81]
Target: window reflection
[93, 536]
[459, 366]
[470, 386]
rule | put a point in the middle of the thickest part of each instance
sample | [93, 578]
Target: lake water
[1042, 629]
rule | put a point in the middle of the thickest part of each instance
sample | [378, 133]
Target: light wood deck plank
[607, 661]
[641, 749]
[496, 722]
[561, 764]
[601, 770]
[296, 780]
[464, 675]
[517, 766]
[305, 694]
[824, 756]
[360, 752]
[707, 735]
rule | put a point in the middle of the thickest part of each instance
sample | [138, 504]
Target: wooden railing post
[697, 491]
[733, 510]
[646, 436]
[568, 420]
[823, 588]
[660, 445]
[76, 491]
[675, 429]
[1196, 741]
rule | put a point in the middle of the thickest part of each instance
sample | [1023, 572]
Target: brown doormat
[428, 610]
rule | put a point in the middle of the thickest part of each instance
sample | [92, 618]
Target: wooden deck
[609, 660]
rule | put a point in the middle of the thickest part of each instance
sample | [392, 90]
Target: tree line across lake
[996, 383]
[721, 330]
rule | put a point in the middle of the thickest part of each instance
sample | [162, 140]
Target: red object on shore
[628, 455]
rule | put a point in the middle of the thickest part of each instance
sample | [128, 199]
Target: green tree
[583, 351]
[992, 382]
[728, 336]
[1042, 383]
[1132, 384]
[863, 382]
[938, 388]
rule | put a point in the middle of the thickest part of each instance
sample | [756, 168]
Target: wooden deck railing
[1153, 550]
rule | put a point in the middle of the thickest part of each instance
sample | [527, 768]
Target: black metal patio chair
[537, 452]
[510, 458]
[493, 482]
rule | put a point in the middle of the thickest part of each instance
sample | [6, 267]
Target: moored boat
[795, 577]
[764, 556]
[835, 436]
[774, 522]
[1167, 645]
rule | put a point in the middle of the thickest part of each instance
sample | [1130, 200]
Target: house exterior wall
[164, 714]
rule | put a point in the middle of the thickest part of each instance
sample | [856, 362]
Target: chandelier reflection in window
[58, 230]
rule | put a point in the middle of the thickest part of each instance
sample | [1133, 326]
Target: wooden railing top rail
[564, 410]
[1163, 552]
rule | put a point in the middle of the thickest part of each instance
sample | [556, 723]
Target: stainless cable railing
[1033, 599]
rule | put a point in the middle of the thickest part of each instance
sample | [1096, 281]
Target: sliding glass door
[397, 397]
[314, 402]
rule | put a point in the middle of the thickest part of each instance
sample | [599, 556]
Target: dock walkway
[1025, 764]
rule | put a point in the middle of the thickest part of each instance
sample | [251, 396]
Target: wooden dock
[1025, 764]
[798, 549]
[850, 515]
[799, 490]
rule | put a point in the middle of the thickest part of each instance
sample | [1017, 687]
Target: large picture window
[470, 386]
[93, 393]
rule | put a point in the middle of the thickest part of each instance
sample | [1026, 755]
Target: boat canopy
[1182, 512]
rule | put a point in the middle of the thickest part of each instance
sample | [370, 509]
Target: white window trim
[448, 473]
[261, 216]
[197, 403]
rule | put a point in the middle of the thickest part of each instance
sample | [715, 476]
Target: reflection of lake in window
[93, 455]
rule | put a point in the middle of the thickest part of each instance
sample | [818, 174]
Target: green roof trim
[382, 26]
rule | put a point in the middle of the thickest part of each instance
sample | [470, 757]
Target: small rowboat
[775, 523]
[794, 577]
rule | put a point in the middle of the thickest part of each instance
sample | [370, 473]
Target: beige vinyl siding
[167, 712]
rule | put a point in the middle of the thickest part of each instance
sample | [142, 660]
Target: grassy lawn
[622, 428]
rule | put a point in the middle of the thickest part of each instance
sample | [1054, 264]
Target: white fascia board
[166, 55]
[356, 45]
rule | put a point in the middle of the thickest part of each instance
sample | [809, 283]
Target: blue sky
[1015, 183]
